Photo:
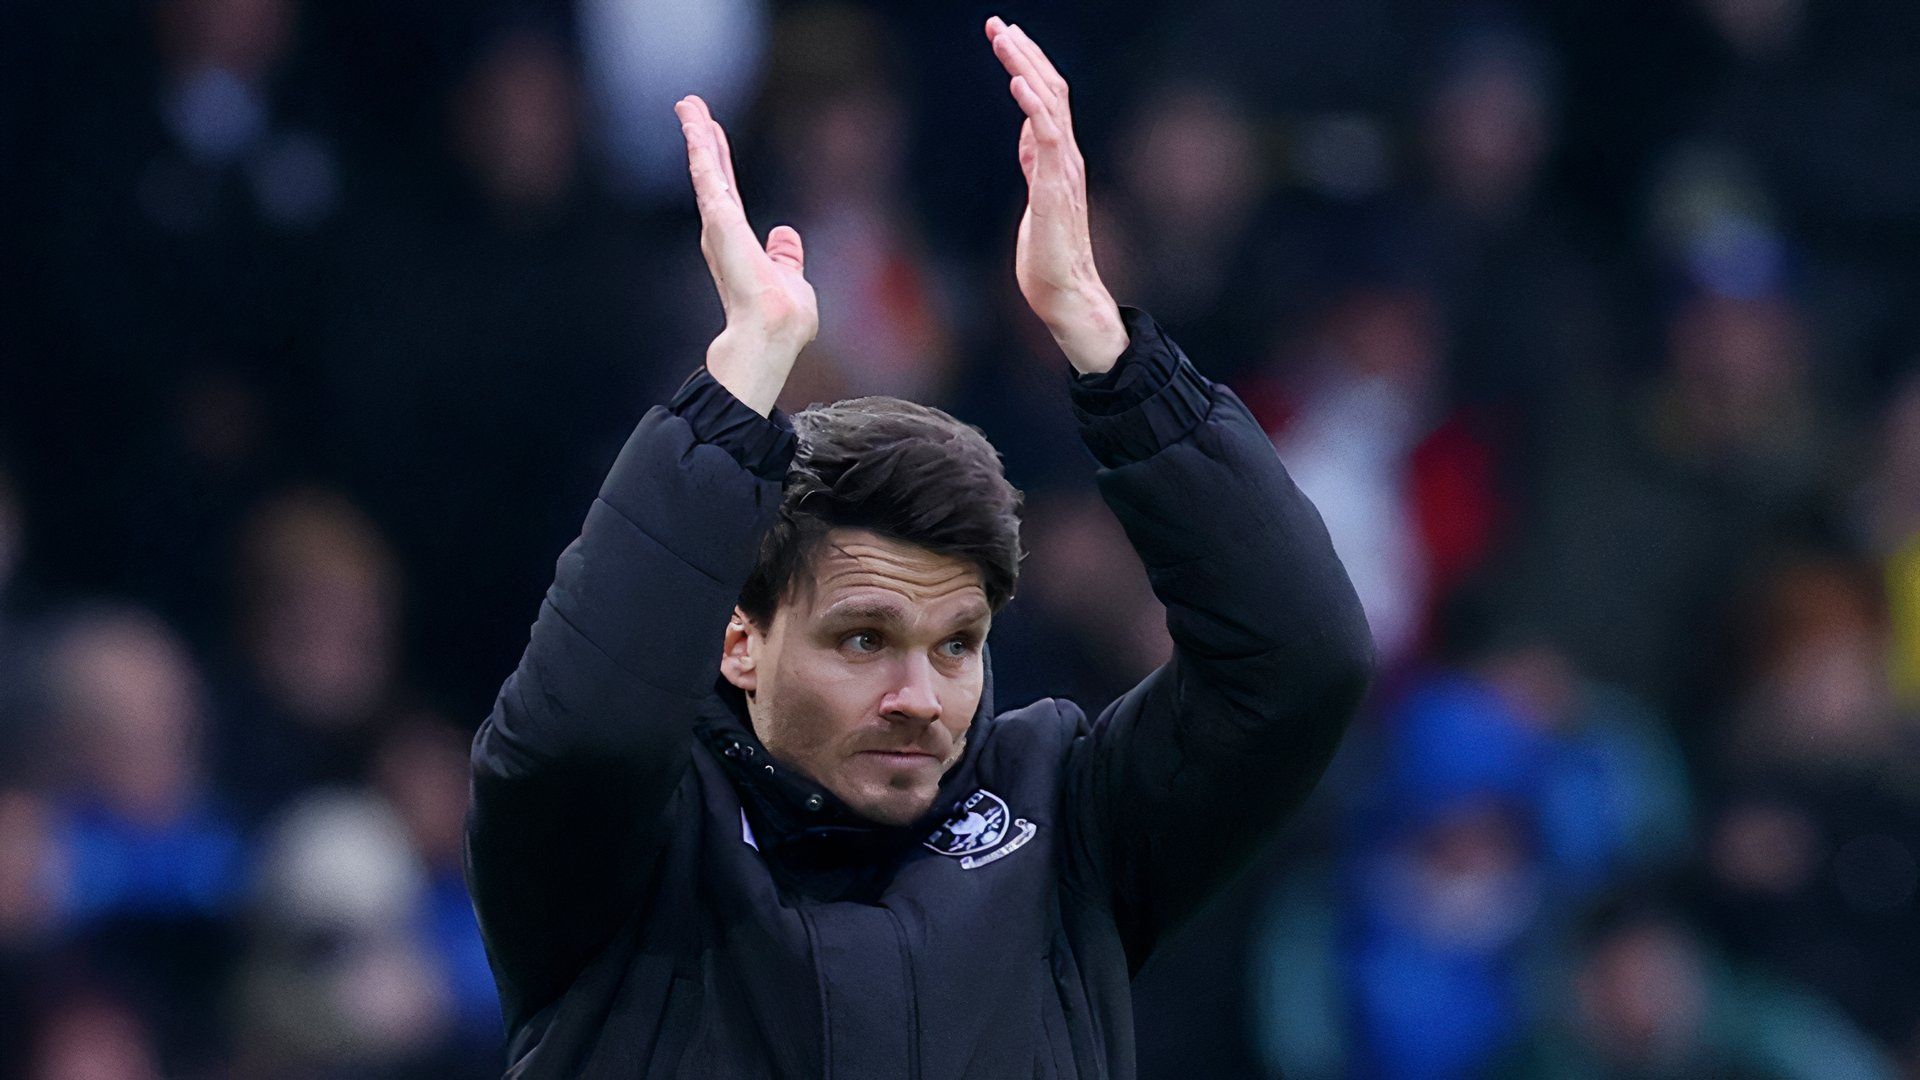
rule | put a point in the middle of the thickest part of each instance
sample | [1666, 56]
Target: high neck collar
[815, 843]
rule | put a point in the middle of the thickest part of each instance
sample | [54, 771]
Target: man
[745, 809]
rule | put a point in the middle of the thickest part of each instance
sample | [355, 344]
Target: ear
[736, 653]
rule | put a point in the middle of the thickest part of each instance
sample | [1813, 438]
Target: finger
[1018, 63]
[707, 181]
[783, 246]
[692, 109]
[722, 150]
[1037, 56]
[725, 152]
[1016, 60]
[718, 209]
[722, 153]
[1045, 130]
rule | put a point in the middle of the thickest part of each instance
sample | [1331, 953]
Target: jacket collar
[815, 843]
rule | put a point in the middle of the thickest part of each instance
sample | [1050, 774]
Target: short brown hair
[908, 472]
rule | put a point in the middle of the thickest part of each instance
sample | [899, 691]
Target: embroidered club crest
[980, 830]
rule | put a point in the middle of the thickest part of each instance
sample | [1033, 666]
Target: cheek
[820, 700]
[957, 704]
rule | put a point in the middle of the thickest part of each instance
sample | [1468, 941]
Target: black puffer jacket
[661, 899]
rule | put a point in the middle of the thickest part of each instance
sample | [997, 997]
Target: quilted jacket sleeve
[575, 770]
[1179, 782]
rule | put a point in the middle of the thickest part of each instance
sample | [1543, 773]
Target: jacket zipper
[913, 994]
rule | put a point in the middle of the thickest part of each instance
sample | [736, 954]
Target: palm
[782, 292]
[1025, 272]
[1027, 268]
[762, 286]
[1053, 232]
[1053, 250]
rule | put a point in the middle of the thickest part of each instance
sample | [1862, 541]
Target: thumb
[784, 247]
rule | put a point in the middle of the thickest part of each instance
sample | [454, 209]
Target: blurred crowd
[1593, 330]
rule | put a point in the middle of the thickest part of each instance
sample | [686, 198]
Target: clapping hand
[770, 307]
[1053, 255]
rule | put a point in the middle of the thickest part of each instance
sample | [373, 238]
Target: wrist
[751, 366]
[1089, 331]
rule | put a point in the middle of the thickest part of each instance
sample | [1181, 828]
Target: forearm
[1188, 773]
[1235, 551]
[1258, 604]
[667, 544]
[1088, 327]
[574, 770]
[752, 365]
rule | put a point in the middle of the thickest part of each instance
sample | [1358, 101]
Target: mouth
[900, 758]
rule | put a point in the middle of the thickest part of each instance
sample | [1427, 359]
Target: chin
[892, 807]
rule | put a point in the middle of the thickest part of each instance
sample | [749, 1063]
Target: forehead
[855, 566]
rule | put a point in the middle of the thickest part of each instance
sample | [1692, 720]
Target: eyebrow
[869, 611]
[863, 612]
[977, 613]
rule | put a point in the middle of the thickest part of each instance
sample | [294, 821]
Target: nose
[915, 696]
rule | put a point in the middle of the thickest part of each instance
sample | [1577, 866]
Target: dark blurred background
[1591, 327]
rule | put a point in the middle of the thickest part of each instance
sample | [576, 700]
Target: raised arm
[575, 770]
[1184, 777]
[1180, 781]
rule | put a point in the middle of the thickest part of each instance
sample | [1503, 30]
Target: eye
[955, 648]
[863, 641]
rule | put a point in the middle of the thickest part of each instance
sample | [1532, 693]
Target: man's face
[867, 681]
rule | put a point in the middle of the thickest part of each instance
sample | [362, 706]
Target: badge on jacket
[980, 830]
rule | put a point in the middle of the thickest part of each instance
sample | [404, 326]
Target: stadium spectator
[18, 686]
[1648, 999]
[1507, 793]
[94, 1034]
[1891, 529]
[1811, 857]
[337, 981]
[1361, 417]
[1634, 562]
[1528, 312]
[152, 868]
[318, 597]
[1191, 192]
[209, 177]
[482, 301]
[421, 770]
[838, 129]
[1085, 617]
[29, 890]
[140, 832]
[638, 53]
